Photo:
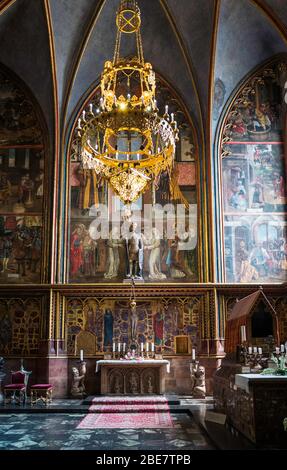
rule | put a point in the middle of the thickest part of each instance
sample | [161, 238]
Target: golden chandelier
[123, 138]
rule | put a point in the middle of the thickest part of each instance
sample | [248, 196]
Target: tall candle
[141, 347]
[114, 347]
[124, 347]
[243, 333]
[260, 350]
[193, 355]
[250, 350]
[152, 347]
[255, 349]
[81, 355]
[119, 347]
[282, 348]
[147, 347]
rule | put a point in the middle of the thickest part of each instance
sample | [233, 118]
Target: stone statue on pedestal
[78, 389]
[198, 380]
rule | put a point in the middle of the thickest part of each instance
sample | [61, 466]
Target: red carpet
[127, 413]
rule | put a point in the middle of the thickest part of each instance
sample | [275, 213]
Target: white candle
[260, 350]
[250, 350]
[124, 347]
[114, 347]
[84, 115]
[193, 355]
[152, 347]
[282, 348]
[141, 347]
[166, 109]
[119, 347]
[277, 350]
[243, 333]
[255, 349]
[81, 355]
[147, 347]
[91, 107]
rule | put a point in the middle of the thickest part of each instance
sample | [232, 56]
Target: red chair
[17, 388]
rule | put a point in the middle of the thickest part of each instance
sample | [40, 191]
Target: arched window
[254, 180]
[95, 259]
[22, 173]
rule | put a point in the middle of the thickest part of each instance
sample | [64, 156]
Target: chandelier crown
[123, 138]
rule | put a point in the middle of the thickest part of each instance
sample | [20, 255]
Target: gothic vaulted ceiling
[58, 47]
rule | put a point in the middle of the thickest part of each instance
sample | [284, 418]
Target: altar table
[133, 377]
[256, 405]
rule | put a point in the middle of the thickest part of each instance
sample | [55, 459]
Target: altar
[133, 377]
[256, 405]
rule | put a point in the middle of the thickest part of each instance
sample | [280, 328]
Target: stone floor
[58, 432]
[55, 428]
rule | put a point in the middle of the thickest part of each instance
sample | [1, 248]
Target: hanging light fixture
[123, 138]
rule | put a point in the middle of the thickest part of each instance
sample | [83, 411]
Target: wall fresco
[158, 322]
[254, 181]
[105, 259]
[21, 185]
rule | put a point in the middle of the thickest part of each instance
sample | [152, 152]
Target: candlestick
[193, 355]
[81, 355]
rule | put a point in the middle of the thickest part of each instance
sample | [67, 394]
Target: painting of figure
[254, 184]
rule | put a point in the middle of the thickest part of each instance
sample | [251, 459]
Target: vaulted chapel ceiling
[61, 46]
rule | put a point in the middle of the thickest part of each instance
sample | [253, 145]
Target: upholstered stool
[41, 392]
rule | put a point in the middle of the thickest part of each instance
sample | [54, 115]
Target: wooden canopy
[241, 315]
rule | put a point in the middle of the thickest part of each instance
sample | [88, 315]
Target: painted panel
[254, 181]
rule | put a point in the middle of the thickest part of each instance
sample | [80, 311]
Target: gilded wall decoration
[21, 185]
[254, 182]
[20, 326]
[109, 321]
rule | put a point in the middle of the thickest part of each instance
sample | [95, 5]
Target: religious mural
[21, 185]
[113, 321]
[254, 181]
[127, 249]
[20, 326]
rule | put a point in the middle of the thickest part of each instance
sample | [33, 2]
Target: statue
[114, 243]
[134, 247]
[133, 383]
[153, 244]
[149, 386]
[285, 424]
[198, 380]
[78, 387]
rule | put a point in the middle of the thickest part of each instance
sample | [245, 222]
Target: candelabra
[252, 357]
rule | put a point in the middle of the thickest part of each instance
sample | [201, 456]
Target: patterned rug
[126, 420]
[127, 413]
[129, 404]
